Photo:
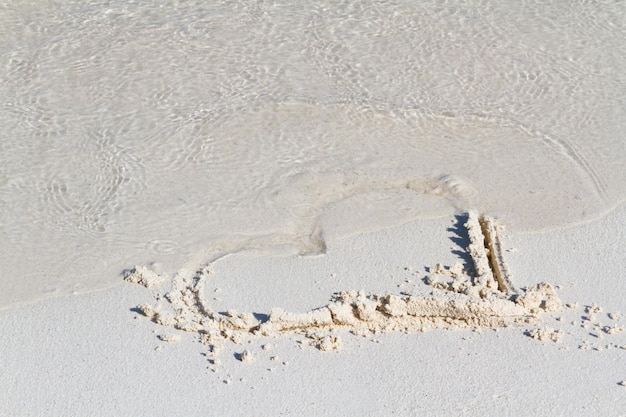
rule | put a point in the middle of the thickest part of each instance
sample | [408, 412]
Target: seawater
[181, 131]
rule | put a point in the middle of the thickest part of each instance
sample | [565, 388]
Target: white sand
[270, 142]
[91, 355]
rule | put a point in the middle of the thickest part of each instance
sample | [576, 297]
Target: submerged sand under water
[180, 133]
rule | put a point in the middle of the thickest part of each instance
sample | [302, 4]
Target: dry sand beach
[96, 354]
[235, 208]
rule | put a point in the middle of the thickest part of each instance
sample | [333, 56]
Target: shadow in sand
[461, 239]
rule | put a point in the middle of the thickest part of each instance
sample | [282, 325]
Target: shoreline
[549, 230]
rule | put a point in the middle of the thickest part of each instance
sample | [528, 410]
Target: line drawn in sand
[458, 299]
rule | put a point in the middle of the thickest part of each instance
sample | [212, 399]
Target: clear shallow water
[176, 132]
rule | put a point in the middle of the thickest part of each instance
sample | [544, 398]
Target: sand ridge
[481, 298]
